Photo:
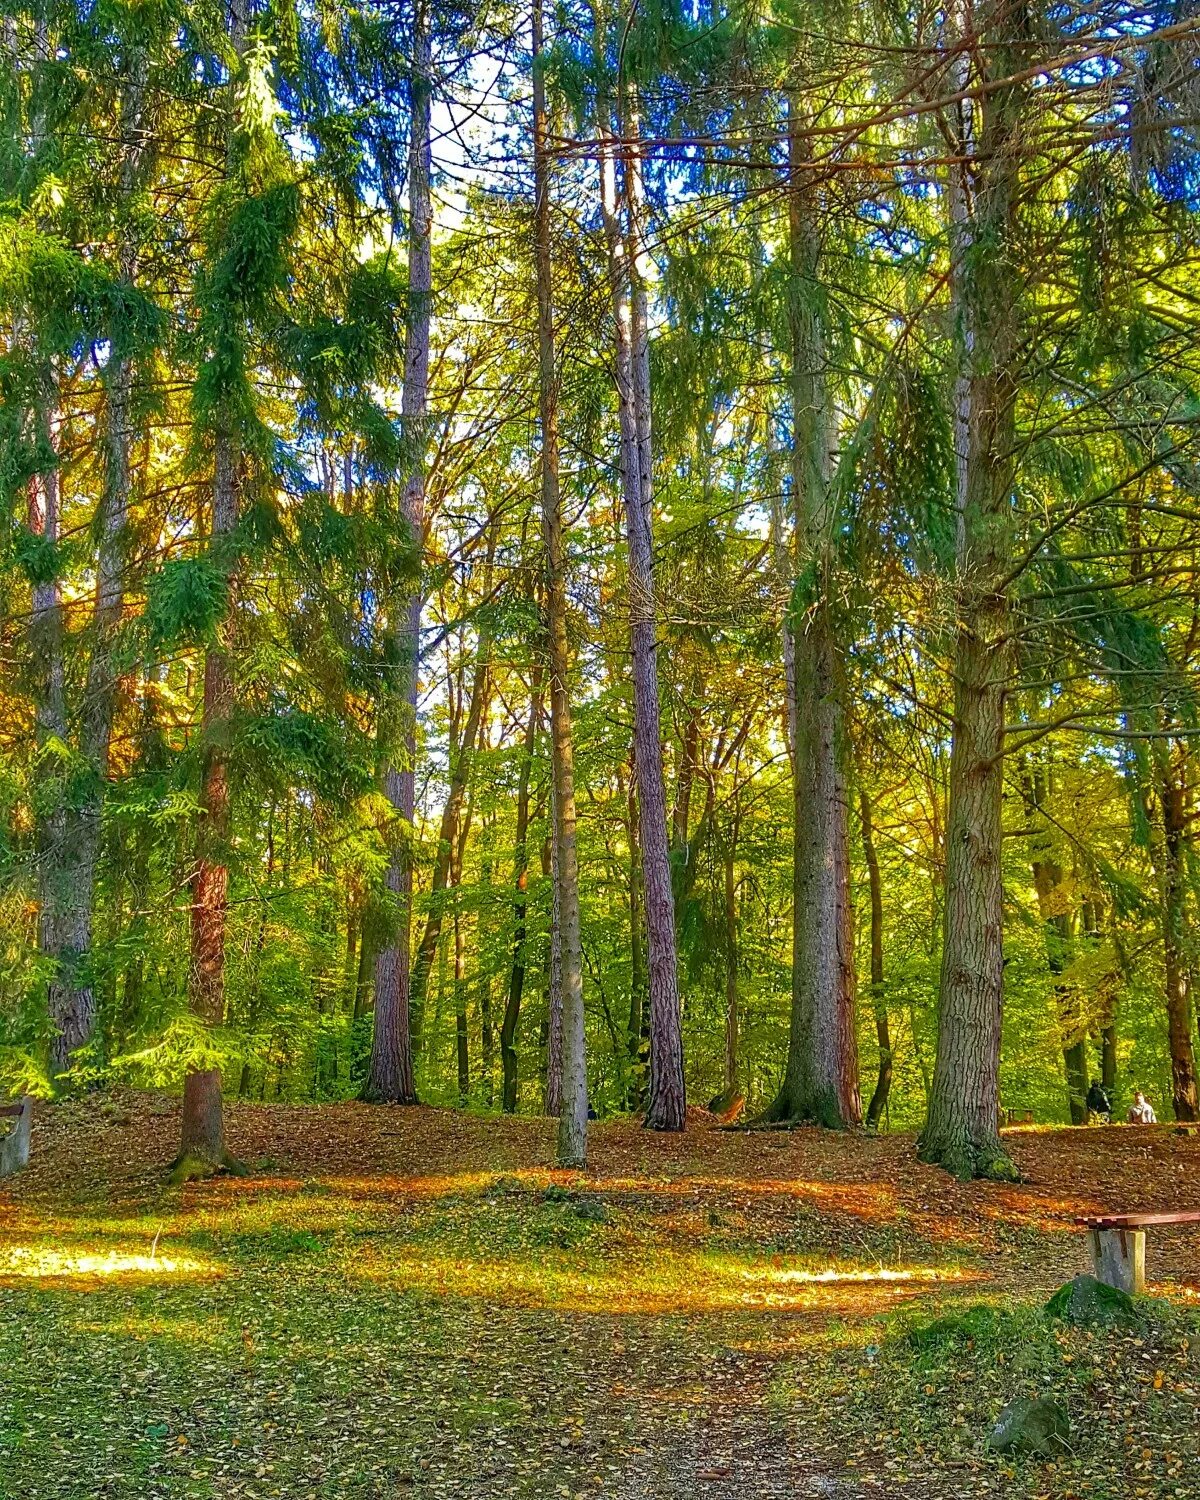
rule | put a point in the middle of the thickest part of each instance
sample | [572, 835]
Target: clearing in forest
[411, 1303]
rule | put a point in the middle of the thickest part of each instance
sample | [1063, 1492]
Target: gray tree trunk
[390, 1070]
[883, 1034]
[202, 1126]
[1058, 935]
[627, 263]
[962, 1127]
[820, 1083]
[460, 778]
[72, 998]
[572, 1101]
[516, 975]
[1170, 849]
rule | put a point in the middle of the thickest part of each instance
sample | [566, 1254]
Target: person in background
[1099, 1105]
[1141, 1111]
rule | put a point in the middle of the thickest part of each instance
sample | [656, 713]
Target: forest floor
[410, 1303]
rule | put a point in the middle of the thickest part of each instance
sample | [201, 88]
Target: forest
[599, 750]
[579, 560]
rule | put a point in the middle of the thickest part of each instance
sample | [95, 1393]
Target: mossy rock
[1086, 1301]
[1039, 1426]
[969, 1326]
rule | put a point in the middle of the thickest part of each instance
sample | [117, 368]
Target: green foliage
[187, 599]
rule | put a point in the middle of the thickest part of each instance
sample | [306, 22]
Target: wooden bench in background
[14, 1141]
[1017, 1116]
[1117, 1244]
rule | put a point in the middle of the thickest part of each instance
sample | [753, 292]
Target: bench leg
[1119, 1258]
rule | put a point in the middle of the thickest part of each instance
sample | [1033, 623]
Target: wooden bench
[1117, 1245]
[1017, 1116]
[14, 1142]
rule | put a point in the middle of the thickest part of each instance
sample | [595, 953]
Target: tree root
[192, 1167]
[375, 1096]
[970, 1161]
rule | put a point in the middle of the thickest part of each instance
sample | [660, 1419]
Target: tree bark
[554, 994]
[202, 1137]
[516, 976]
[883, 1035]
[70, 1022]
[72, 998]
[730, 1071]
[573, 1096]
[820, 1083]
[1057, 929]
[962, 1127]
[637, 1024]
[202, 1126]
[666, 1098]
[461, 1047]
[390, 1071]
[1173, 882]
[460, 778]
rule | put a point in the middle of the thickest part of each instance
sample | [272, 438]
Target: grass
[424, 1309]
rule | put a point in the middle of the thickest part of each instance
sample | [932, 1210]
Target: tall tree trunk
[68, 1030]
[730, 1072]
[666, 1097]
[783, 567]
[554, 990]
[1173, 883]
[390, 1071]
[1057, 930]
[202, 1127]
[202, 1137]
[637, 1024]
[883, 1035]
[516, 976]
[460, 780]
[73, 1000]
[461, 1049]
[821, 1080]
[573, 1097]
[962, 1127]
[70, 1027]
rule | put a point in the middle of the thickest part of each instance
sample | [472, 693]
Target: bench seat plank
[1138, 1221]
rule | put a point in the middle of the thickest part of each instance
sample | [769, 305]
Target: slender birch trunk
[573, 1096]
[962, 1127]
[390, 1071]
[820, 1083]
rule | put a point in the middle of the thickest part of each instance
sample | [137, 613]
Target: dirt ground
[412, 1303]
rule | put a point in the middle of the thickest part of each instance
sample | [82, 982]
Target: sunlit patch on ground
[664, 1282]
[50, 1262]
[834, 1275]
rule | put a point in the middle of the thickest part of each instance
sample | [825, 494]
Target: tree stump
[1119, 1258]
[15, 1122]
